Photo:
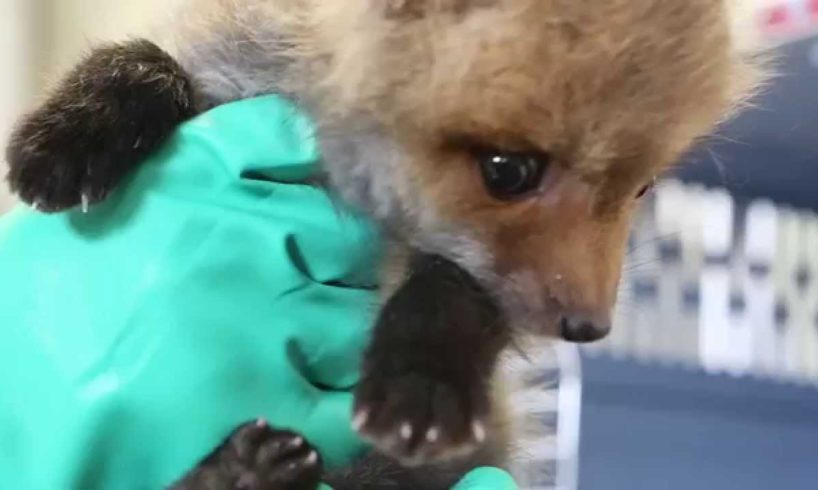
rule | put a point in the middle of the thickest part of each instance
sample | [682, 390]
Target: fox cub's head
[517, 136]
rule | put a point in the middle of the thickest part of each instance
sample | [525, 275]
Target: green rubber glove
[213, 288]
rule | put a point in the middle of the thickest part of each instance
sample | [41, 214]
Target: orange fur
[614, 91]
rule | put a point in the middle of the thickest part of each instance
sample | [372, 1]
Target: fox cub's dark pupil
[644, 190]
[508, 175]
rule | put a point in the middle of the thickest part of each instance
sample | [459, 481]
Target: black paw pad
[420, 420]
[424, 394]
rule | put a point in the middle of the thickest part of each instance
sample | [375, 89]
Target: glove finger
[331, 336]
[487, 478]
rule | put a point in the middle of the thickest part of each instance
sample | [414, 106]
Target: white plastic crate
[728, 286]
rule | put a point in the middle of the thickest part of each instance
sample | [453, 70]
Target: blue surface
[771, 150]
[647, 427]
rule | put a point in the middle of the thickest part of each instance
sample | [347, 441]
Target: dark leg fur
[425, 393]
[257, 457]
[378, 472]
[103, 119]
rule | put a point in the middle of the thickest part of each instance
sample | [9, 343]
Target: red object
[788, 18]
[779, 16]
[812, 7]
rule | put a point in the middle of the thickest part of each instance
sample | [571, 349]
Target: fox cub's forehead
[559, 71]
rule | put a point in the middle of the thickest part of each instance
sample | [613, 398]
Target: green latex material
[214, 288]
[487, 479]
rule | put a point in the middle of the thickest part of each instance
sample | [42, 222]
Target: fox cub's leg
[101, 120]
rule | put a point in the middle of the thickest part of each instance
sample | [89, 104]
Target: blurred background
[709, 380]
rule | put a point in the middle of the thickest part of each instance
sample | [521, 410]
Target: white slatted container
[731, 287]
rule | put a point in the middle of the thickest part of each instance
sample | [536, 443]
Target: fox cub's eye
[511, 174]
[644, 190]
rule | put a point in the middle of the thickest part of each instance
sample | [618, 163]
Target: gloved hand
[213, 288]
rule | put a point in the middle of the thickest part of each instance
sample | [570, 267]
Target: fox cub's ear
[418, 9]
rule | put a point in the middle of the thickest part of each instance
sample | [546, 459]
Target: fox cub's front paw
[421, 417]
[259, 457]
[105, 116]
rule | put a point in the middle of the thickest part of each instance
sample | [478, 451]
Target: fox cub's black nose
[580, 329]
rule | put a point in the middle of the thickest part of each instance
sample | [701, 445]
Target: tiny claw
[312, 458]
[433, 434]
[479, 432]
[85, 202]
[296, 443]
[261, 422]
[406, 431]
[360, 419]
